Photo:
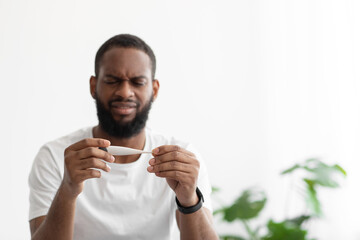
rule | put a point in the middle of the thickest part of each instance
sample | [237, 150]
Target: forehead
[125, 61]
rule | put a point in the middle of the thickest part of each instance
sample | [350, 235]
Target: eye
[110, 81]
[138, 81]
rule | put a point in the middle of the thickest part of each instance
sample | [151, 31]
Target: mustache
[122, 100]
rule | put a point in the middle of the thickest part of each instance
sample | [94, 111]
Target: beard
[119, 129]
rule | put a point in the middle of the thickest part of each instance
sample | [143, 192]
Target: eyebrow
[121, 79]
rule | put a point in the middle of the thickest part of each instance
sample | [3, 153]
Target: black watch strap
[192, 209]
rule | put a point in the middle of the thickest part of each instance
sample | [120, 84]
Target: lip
[123, 104]
[123, 108]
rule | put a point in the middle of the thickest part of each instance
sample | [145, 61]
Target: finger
[89, 142]
[96, 153]
[94, 163]
[172, 156]
[170, 148]
[175, 175]
[89, 173]
[171, 166]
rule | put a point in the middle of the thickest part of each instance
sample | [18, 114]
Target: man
[80, 191]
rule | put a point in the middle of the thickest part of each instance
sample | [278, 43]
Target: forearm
[197, 225]
[59, 222]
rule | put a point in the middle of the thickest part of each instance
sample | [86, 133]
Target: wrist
[192, 208]
[193, 200]
[67, 192]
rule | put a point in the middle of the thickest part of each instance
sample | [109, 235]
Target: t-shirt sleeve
[44, 180]
[203, 179]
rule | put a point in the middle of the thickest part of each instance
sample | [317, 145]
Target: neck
[137, 142]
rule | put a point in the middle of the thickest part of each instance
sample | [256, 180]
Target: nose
[125, 90]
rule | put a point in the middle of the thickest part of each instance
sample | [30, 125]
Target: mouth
[123, 108]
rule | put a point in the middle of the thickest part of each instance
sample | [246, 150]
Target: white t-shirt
[126, 203]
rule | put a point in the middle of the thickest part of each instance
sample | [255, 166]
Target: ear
[93, 82]
[156, 86]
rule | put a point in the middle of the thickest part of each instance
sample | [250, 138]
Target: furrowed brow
[114, 77]
[137, 77]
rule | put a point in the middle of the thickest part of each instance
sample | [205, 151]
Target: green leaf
[284, 231]
[289, 170]
[218, 211]
[231, 237]
[320, 173]
[298, 221]
[215, 189]
[340, 169]
[247, 206]
[311, 198]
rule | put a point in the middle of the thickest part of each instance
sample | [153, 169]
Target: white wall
[270, 82]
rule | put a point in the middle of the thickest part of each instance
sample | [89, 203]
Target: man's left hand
[180, 168]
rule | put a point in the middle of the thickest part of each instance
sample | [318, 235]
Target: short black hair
[125, 41]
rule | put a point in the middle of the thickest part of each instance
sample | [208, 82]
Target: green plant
[251, 202]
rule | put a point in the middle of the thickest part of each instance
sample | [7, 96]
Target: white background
[255, 85]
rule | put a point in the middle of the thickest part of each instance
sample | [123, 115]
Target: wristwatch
[192, 209]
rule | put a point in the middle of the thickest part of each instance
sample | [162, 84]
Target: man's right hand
[82, 159]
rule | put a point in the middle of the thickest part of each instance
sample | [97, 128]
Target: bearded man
[79, 190]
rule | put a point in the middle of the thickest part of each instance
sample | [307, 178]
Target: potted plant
[251, 202]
